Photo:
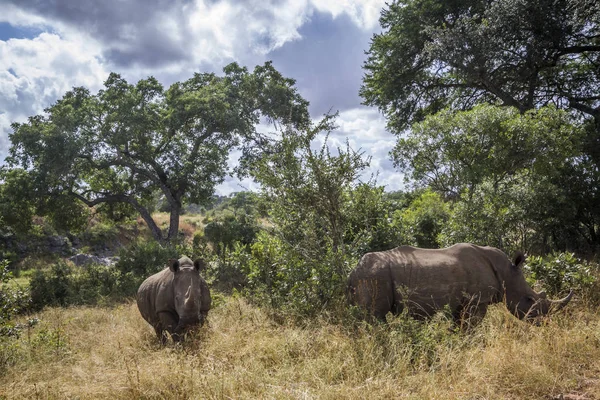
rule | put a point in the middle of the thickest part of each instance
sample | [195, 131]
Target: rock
[59, 244]
[88, 259]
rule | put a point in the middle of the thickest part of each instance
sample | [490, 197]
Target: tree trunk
[121, 198]
[156, 232]
[174, 222]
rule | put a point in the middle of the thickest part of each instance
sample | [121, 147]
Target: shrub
[12, 301]
[225, 231]
[302, 281]
[228, 274]
[52, 288]
[422, 222]
[63, 285]
[100, 235]
[96, 284]
[144, 258]
[561, 271]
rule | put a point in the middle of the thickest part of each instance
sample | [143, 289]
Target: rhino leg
[168, 322]
[470, 314]
[376, 296]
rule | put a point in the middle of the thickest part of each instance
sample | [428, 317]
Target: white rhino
[465, 278]
[175, 299]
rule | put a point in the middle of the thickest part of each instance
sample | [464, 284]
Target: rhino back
[428, 279]
[152, 296]
[437, 277]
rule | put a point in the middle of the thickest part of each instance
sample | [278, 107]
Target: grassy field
[111, 353]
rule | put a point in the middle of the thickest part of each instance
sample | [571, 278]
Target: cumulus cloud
[364, 13]
[161, 33]
[34, 73]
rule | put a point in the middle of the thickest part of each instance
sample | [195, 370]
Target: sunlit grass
[189, 224]
[243, 353]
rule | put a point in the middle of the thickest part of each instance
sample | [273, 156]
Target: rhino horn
[558, 304]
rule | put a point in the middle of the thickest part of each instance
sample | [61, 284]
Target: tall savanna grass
[244, 352]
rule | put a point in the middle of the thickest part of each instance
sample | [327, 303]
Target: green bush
[12, 302]
[422, 222]
[225, 231]
[300, 281]
[100, 235]
[559, 272]
[97, 284]
[228, 274]
[144, 258]
[53, 287]
[63, 285]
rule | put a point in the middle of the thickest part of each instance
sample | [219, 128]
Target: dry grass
[112, 354]
[188, 223]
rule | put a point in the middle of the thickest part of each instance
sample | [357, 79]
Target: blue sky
[48, 47]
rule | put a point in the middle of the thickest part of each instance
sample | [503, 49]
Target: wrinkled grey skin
[176, 299]
[464, 277]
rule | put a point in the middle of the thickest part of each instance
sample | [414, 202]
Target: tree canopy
[454, 151]
[126, 142]
[434, 54]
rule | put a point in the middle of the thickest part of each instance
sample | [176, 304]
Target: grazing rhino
[175, 299]
[464, 277]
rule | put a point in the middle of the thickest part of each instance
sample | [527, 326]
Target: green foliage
[285, 277]
[511, 180]
[223, 232]
[228, 274]
[100, 234]
[52, 288]
[370, 226]
[423, 220]
[16, 205]
[12, 301]
[64, 285]
[559, 272]
[318, 216]
[433, 54]
[454, 151]
[495, 216]
[144, 258]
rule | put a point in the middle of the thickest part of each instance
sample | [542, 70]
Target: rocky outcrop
[87, 259]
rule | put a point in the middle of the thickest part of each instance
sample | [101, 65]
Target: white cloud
[34, 73]
[187, 34]
[16, 16]
[363, 122]
[231, 30]
[364, 13]
[227, 29]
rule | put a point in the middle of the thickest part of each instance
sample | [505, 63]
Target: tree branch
[123, 198]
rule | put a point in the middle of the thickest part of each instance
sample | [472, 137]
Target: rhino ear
[200, 264]
[519, 259]
[173, 265]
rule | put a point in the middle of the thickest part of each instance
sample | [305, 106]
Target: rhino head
[523, 301]
[187, 292]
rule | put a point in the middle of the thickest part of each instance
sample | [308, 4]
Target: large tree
[451, 152]
[124, 143]
[508, 172]
[434, 54]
